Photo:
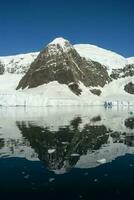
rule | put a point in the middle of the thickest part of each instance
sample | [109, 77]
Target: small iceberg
[50, 151]
[75, 155]
[101, 161]
[65, 143]
[51, 179]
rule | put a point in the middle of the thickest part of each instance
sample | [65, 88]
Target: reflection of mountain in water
[78, 141]
[68, 142]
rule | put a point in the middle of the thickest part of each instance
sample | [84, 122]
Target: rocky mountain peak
[58, 46]
[59, 41]
[60, 62]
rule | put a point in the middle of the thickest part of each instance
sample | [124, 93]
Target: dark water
[67, 153]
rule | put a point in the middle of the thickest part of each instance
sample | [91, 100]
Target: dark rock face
[96, 91]
[129, 88]
[128, 70]
[75, 88]
[64, 64]
[2, 68]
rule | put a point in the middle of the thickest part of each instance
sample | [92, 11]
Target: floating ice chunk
[51, 179]
[102, 161]
[27, 176]
[75, 155]
[95, 180]
[105, 174]
[65, 143]
[50, 151]
[86, 173]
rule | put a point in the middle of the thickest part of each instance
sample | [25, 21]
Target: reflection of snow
[109, 153]
[102, 161]
[14, 145]
[50, 151]
[51, 179]
[75, 155]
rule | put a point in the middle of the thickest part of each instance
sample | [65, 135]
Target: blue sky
[28, 25]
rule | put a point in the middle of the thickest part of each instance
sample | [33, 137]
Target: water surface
[67, 153]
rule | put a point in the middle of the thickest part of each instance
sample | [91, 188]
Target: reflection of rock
[129, 88]
[96, 118]
[73, 146]
[67, 141]
[129, 140]
[129, 123]
[1, 143]
[17, 148]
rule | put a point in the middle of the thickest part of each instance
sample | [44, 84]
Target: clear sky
[28, 25]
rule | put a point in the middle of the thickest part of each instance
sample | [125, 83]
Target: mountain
[60, 62]
[66, 74]
[18, 64]
[105, 57]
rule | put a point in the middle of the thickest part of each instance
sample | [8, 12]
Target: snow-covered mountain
[18, 64]
[108, 58]
[63, 74]
[60, 62]
[130, 60]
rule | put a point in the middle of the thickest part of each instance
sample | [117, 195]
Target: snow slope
[108, 58]
[130, 60]
[18, 63]
[51, 94]
[8, 82]
[114, 91]
[55, 94]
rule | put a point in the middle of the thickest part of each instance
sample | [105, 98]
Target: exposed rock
[18, 64]
[2, 68]
[75, 88]
[59, 61]
[128, 70]
[96, 91]
[129, 88]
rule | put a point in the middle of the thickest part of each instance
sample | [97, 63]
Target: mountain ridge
[89, 51]
[61, 76]
[60, 61]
